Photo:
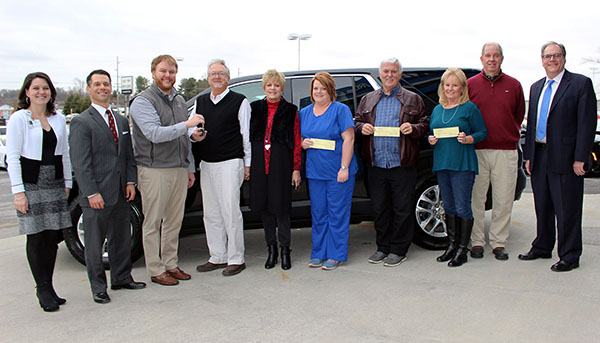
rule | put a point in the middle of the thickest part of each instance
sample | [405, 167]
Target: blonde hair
[274, 76]
[462, 78]
[327, 81]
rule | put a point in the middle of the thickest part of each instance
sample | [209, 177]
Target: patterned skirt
[48, 209]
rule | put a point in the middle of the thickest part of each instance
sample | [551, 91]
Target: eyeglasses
[549, 56]
[219, 74]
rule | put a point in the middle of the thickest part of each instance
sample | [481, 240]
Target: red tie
[113, 129]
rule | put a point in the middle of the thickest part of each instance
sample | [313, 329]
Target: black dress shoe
[564, 266]
[477, 252]
[500, 254]
[131, 285]
[531, 255]
[101, 298]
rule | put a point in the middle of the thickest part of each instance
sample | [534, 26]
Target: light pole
[299, 37]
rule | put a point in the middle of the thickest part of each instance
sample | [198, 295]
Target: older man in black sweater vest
[224, 157]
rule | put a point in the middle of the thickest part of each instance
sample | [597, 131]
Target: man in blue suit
[560, 134]
[104, 166]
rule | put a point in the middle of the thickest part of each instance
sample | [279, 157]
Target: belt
[541, 145]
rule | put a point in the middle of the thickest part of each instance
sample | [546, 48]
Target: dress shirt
[386, 152]
[244, 118]
[555, 85]
[102, 112]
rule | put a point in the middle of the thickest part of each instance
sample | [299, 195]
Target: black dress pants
[271, 223]
[558, 202]
[392, 194]
[111, 223]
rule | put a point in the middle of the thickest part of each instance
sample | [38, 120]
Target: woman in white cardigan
[40, 175]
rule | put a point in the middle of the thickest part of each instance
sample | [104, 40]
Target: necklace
[444, 112]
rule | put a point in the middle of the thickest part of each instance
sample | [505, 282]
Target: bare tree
[79, 86]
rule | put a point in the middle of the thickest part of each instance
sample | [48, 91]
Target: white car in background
[3, 151]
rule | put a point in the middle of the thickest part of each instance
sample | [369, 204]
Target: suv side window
[349, 90]
[254, 90]
[301, 91]
[345, 91]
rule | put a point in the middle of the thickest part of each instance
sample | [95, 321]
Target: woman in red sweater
[276, 162]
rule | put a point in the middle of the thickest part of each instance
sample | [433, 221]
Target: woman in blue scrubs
[327, 129]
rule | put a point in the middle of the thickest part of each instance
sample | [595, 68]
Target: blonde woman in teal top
[456, 125]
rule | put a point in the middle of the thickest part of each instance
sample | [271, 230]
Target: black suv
[352, 85]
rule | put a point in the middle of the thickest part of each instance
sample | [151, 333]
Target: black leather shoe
[101, 298]
[564, 266]
[477, 252]
[531, 255]
[131, 285]
[499, 253]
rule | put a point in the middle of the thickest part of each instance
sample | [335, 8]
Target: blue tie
[541, 126]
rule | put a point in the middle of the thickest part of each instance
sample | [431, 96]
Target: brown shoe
[164, 279]
[179, 274]
[207, 267]
[234, 269]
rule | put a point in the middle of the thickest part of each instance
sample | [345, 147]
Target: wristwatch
[344, 167]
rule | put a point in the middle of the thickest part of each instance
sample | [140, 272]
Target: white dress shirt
[555, 85]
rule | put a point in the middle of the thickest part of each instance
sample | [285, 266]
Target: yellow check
[386, 131]
[446, 132]
[325, 144]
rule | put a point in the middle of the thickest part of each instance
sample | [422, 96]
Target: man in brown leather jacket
[389, 122]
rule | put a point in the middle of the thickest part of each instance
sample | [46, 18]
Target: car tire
[74, 235]
[430, 227]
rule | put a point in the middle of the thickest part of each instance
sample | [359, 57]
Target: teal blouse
[448, 153]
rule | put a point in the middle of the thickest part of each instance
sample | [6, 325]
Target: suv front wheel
[430, 230]
[74, 236]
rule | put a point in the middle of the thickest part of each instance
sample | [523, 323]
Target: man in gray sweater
[161, 142]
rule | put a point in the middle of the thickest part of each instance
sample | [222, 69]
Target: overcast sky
[68, 39]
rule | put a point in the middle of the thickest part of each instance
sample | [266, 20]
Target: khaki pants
[163, 200]
[500, 168]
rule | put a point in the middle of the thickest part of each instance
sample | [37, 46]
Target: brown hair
[24, 100]
[327, 81]
[167, 58]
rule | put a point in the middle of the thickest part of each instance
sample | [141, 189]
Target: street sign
[126, 84]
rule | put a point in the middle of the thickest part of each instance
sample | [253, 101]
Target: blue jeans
[456, 188]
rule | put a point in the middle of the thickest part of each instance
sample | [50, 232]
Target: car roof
[291, 74]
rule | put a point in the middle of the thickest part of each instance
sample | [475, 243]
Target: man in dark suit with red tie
[104, 166]
[560, 134]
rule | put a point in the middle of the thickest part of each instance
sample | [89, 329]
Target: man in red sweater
[502, 104]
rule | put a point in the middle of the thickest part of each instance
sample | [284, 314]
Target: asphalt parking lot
[419, 301]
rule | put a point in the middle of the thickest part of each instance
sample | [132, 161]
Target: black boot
[452, 243]
[466, 226]
[59, 300]
[51, 263]
[46, 299]
[39, 256]
[272, 258]
[286, 260]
